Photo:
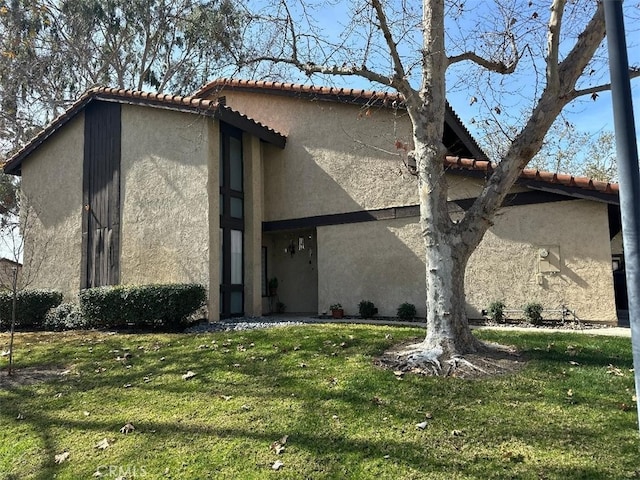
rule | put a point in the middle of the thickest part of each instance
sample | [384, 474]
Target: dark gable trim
[245, 124]
[539, 187]
[575, 192]
[342, 218]
[410, 211]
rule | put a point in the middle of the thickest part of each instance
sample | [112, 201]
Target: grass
[344, 417]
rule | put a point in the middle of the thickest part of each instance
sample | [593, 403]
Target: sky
[587, 115]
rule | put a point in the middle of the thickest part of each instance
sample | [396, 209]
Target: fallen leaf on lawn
[85, 413]
[58, 395]
[127, 385]
[398, 373]
[377, 400]
[61, 457]
[429, 415]
[188, 375]
[570, 393]
[572, 350]
[97, 474]
[386, 457]
[127, 428]
[456, 433]
[226, 397]
[20, 417]
[200, 347]
[146, 379]
[162, 359]
[103, 444]
[277, 465]
[634, 398]
[303, 365]
[5, 353]
[333, 381]
[245, 407]
[575, 364]
[278, 445]
[421, 425]
[611, 370]
[343, 344]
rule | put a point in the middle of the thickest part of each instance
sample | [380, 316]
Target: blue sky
[587, 115]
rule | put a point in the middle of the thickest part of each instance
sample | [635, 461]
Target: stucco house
[249, 180]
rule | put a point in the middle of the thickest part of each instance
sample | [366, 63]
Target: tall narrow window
[231, 223]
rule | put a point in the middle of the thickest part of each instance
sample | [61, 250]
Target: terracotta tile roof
[189, 104]
[341, 95]
[530, 175]
[333, 93]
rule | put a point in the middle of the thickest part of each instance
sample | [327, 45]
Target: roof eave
[166, 102]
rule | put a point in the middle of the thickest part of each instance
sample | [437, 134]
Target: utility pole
[628, 171]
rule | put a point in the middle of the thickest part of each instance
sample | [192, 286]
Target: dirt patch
[489, 361]
[29, 376]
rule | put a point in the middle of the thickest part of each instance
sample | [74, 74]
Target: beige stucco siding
[507, 265]
[384, 262]
[164, 233]
[52, 184]
[338, 158]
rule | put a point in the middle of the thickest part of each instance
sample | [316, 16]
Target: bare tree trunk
[448, 332]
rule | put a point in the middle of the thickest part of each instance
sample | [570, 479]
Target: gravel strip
[239, 324]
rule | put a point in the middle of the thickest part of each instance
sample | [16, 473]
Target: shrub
[496, 311]
[407, 311]
[533, 312]
[31, 307]
[367, 309]
[143, 306]
[66, 316]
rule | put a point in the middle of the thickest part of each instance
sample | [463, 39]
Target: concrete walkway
[606, 331]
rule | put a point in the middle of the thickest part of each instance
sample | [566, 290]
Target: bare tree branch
[633, 73]
[553, 43]
[498, 67]
[399, 80]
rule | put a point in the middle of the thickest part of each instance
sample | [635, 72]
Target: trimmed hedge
[164, 307]
[66, 316]
[407, 311]
[32, 306]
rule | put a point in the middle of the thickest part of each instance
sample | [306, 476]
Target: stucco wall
[52, 184]
[504, 267]
[165, 233]
[507, 265]
[336, 156]
[382, 262]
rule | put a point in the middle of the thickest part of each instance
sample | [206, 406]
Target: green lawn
[569, 414]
